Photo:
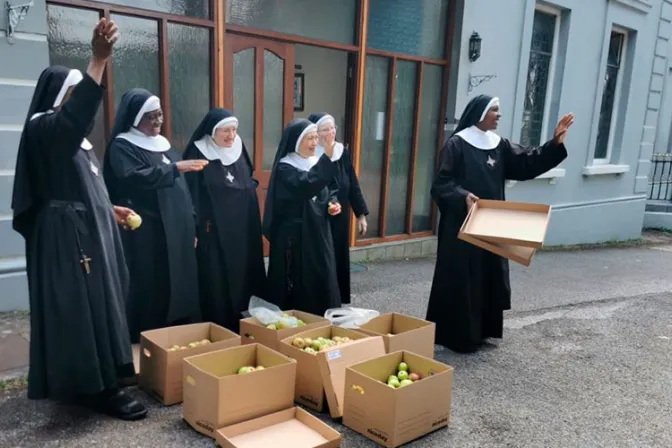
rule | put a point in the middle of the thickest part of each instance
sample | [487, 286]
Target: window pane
[608, 96]
[402, 145]
[136, 57]
[318, 19]
[189, 8]
[70, 45]
[274, 91]
[425, 164]
[243, 96]
[189, 59]
[373, 137]
[412, 27]
[538, 73]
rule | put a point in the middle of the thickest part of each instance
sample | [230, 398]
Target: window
[613, 81]
[540, 76]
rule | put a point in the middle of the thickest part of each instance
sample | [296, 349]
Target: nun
[142, 171]
[470, 289]
[230, 250]
[349, 197]
[77, 277]
[302, 270]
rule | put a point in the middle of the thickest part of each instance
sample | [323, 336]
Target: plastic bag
[349, 317]
[268, 313]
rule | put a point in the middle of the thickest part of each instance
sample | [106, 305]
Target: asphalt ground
[586, 361]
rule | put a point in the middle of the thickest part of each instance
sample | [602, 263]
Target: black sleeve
[306, 184]
[446, 191]
[127, 165]
[356, 198]
[521, 163]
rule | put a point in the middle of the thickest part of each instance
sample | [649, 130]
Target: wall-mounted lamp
[15, 13]
[474, 46]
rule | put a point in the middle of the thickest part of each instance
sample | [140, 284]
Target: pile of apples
[175, 348]
[249, 369]
[281, 325]
[313, 346]
[403, 377]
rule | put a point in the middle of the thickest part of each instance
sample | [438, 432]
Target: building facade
[396, 74]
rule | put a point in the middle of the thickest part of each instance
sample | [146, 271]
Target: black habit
[77, 276]
[230, 250]
[471, 289]
[302, 271]
[350, 196]
[141, 173]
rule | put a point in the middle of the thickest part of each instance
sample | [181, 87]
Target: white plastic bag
[349, 317]
[268, 313]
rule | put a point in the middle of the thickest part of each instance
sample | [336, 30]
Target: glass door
[259, 80]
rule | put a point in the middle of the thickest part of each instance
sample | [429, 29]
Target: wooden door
[259, 86]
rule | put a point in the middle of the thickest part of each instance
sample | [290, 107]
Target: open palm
[563, 126]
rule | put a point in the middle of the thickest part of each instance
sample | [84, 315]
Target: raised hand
[105, 34]
[563, 126]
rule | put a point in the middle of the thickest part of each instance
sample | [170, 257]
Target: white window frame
[617, 96]
[551, 67]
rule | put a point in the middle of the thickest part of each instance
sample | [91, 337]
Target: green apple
[308, 341]
[391, 385]
[299, 343]
[402, 375]
[392, 377]
[317, 345]
[394, 382]
[205, 341]
[134, 221]
[271, 327]
[405, 383]
[403, 367]
[300, 323]
[310, 350]
[244, 370]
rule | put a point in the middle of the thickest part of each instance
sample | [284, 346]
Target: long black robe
[230, 250]
[471, 289]
[160, 253]
[350, 196]
[79, 341]
[302, 271]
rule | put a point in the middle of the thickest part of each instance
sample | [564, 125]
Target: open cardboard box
[514, 230]
[161, 369]
[215, 395]
[392, 417]
[291, 428]
[310, 390]
[252, 331]
[401, 332]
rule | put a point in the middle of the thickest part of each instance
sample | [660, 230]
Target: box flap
[333, 362]
[519, 254]
[509, 223]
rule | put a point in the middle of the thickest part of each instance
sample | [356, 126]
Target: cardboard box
[309, 383]
[393, 417]
[215, 395]
[291, 428]
[161, 369]
[514, 230]
[252, 331]
[401, 332]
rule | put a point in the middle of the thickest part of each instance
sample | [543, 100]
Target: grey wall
[589, 204]
[20, 66]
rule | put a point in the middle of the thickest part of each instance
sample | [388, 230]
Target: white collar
[85, 145]
[338, 151]
[153, 144]
[479, 139]
[300, 163]
[212, 151]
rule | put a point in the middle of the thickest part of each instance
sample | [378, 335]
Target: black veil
[472, 113]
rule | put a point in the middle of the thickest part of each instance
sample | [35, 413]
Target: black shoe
[122, 406]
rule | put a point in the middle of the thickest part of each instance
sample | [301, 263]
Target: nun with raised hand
[471, 289]
[349, 196]
[230, 249]
[77, 277]
[302, 270]
[144, 172]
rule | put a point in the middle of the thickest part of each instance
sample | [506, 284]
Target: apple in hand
[334, 208]
[134, 221]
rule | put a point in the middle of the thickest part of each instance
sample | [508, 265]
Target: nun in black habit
[144, 172]
[77, 277]
[302, 271]
[349, 196]
[230, 250]
[471, 290]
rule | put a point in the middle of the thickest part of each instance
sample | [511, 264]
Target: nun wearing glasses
[230, 249]
[349, 196]
[144, 172]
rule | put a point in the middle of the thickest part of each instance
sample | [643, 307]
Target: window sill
[643, 6]
[551, 175]
[600, 170]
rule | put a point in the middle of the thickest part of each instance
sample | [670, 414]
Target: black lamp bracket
[477, 80]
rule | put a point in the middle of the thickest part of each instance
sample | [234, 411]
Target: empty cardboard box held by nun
[514, 230]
